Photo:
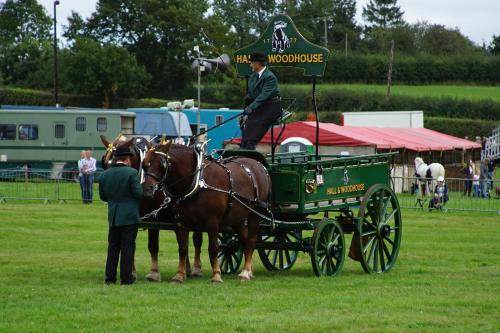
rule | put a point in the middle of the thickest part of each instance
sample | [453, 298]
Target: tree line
[137, 48]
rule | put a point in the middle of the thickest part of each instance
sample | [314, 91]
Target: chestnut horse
[227, 190]
[147, 205]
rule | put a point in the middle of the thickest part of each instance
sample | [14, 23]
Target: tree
[344, 23]
[21, 20]
[160, 33]
[436, 39]
[247, 18]
[106, 72]
[404, 37]
[25, 38]
[494, 47]
[383, 13]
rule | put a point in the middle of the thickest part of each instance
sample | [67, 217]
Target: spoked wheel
[379, 228]
[282, 259]
[328, 248]
[230, 253]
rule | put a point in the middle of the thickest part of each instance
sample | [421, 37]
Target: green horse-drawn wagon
[320, 193]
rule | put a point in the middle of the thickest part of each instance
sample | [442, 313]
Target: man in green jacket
[120, 187]
[262, 104]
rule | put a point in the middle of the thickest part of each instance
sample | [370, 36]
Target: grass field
[52, 260]
[455, 91]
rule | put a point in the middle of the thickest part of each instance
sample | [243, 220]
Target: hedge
[338, 99]
[452, 126]
[461, 127]
[410, 70]
[18, 96]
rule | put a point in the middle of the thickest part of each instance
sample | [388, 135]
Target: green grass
[454, 91]
[52, 261]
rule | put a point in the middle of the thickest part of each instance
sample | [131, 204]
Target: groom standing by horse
[120, 187]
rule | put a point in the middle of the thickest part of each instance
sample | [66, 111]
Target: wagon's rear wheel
[282, 259]
[230, 253]
[379, 229]
[328, 248]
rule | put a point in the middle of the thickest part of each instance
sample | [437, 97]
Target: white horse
[426, 174]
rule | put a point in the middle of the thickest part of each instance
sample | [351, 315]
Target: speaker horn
[221, 62]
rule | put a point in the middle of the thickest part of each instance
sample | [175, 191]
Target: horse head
[121, 141]
[418, 161]
[155, 166]
[420, 167]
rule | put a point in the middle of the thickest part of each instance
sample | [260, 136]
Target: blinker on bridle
[165, 163]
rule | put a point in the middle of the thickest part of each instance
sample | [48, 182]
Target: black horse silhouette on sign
[280, 40]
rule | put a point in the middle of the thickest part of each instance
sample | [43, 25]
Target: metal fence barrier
[53, 186]
[44, 185]
[464, 194]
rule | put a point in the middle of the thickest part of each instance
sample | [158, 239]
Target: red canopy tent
[415, 139]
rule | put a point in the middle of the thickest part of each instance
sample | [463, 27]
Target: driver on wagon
[262, 104]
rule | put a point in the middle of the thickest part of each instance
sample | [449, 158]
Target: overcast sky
[477, 19]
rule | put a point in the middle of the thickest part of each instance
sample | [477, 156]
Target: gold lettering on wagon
[345, 189]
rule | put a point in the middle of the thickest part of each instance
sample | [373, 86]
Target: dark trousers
[121, 241]
[468, 186]
[259, 122]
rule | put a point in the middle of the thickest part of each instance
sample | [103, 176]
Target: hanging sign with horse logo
[284, 46]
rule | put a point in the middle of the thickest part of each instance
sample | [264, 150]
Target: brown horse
[227, 189]
[148, 205]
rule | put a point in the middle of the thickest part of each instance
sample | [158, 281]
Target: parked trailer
[39, 137]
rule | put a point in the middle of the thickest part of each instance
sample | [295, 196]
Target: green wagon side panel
[286, 186]
[346, 179]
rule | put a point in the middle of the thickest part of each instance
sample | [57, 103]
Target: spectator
[491, 173]
[483, 178]
[440, 194]
[88, 170]
[80, 172]
[475, 185]
[469, 173]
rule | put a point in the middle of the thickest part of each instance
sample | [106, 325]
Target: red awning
[416, 139]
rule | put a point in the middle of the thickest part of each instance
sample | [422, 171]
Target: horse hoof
[196, 272]
[177, 280]
[217, 280]
[244, 276]
[153, 276]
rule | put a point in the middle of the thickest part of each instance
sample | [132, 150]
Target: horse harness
[199, 183]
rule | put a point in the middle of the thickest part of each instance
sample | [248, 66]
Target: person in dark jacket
[440, 194]
[262, 104]
[120, 187]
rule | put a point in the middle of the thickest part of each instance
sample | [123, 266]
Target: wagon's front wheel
[230, 253]
[379, 229]
[328, 248]
[280, 259]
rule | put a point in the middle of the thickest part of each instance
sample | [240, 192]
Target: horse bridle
[165, 163]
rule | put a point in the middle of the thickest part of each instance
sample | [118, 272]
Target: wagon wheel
[328, 248]
[280, 260]
[380, 228]
[230, 253]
